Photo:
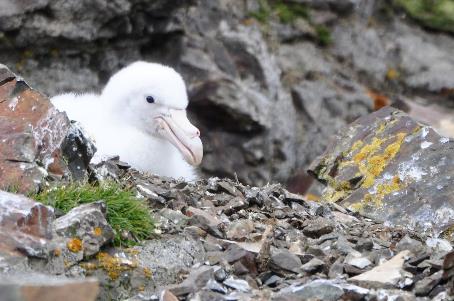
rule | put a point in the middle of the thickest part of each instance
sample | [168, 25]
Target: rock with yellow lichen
[388, 166]
[85, 228]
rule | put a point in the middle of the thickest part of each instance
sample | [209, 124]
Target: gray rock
[216, 287]
[388, 274]
[78, 149]
[318, 227]
[283, 261]
[313, 265]
[239, 230]
[359, 262]
[395, 158]
[424, 286]
[197, 279]
[407, 243]
[88, 224]
[364, 244]
[25, 225]
[238, 284]
[317, 289]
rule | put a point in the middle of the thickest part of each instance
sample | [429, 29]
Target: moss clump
[289, 12]
[323, 35]
[285, 12]
[124, 211]
[433, 14]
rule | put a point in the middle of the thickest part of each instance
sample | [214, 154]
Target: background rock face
[266, 94]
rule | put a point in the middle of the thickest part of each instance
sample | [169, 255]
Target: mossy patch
[433, 14]
[287, 13]
[323, 35]
[125, 212]
[284, 11]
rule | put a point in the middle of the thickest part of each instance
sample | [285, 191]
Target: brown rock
[25, 225]
[31, 131]
[42, 287]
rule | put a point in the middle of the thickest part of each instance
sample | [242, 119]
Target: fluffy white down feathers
[141, 116]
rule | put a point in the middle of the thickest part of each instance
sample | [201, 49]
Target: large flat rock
[387, 166]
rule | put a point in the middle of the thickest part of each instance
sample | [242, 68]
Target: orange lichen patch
[57, 252]
[379, 100]
[74, 245]
[392, 74]
[248, 21]
[114, 266]
[97, 231]
[312, 197]
[147, 272]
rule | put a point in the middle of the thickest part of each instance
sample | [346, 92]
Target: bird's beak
[178, 130]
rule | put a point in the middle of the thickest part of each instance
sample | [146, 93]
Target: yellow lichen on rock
[373, 164]
[114, 266]
[368, 150]
[147, 272]
[376, 199]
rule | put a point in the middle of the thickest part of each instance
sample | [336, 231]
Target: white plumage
[141, 116]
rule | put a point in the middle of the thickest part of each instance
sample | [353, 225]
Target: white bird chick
[140, 116]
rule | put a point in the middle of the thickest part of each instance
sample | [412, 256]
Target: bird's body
[152, 136]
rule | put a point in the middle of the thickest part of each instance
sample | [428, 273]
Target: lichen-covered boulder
[388, 166]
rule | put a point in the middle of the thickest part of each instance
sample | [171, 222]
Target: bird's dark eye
[150, 99]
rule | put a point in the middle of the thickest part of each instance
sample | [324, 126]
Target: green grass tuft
[125, 212]
[437, 14]
[323, 35]
[289, 12]
[286, 12]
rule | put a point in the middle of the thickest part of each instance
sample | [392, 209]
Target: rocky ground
[221, 240]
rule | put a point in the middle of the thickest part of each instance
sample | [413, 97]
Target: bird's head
[153, 98]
